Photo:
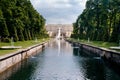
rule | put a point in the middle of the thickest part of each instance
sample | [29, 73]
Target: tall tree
[100, 20]
[3, 27]
[19, 19]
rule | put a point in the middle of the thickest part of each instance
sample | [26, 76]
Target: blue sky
[59, 11]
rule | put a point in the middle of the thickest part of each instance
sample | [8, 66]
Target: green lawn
[97, 43]
[24, 44]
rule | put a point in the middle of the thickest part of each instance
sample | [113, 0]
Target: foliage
[100, 21]
[18, 19]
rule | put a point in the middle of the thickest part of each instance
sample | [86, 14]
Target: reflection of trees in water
[82, 52]
[10, 71]
[113, 66]
[87, 53]
[92, 69]
[23, 68]
[76, 51]
[96, 69]
[20, 71]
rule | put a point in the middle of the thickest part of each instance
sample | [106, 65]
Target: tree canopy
[99, 21]
[18, 19]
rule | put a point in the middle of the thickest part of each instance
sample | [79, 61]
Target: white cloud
[59, 11]
[50, 3]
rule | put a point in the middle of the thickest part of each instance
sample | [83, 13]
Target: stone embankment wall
[8, 61]
[107, 54]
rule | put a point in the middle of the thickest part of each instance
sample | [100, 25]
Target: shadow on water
[113, 66]
[20, 68]
[77, 51]
[96, 68]
[24, 71]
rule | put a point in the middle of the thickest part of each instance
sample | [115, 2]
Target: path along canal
[61, 61]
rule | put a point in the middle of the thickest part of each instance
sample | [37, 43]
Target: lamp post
[119, 43]
[88, 39]
[12, 41]
[35, 39]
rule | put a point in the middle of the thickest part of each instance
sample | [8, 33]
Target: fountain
[58, 38]
[11, 46]
[59, 46]
[59, 34]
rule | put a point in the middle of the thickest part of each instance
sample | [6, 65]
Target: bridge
[53, 29]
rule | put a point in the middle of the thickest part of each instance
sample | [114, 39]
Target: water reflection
[60, 61]
[59, 46]
[76, 51]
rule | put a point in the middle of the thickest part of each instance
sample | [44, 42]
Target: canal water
[61, 61]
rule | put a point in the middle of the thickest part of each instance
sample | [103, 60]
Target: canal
[61, 61]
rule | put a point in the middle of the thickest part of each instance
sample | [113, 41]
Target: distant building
[66, 29]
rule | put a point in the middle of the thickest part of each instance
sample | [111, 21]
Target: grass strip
[101, 44]
[24, 45]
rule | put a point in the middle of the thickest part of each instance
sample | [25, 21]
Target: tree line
[18, 19]
[99, 21]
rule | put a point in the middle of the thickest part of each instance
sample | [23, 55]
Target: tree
[100, 20]
[3, 27]
[19, 19]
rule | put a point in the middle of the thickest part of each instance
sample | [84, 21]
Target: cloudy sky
[59, 11]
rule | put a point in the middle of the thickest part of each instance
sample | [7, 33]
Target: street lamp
[119, 43]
